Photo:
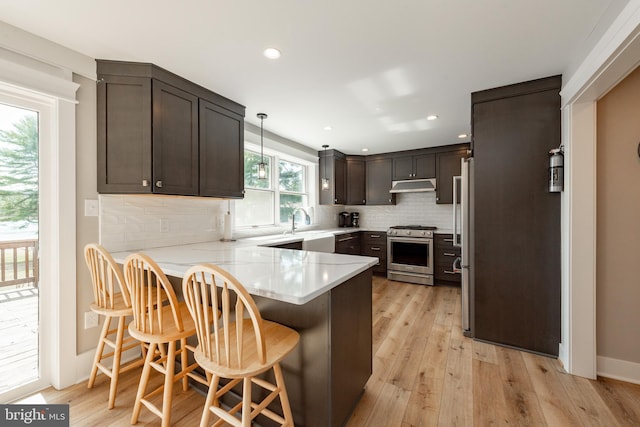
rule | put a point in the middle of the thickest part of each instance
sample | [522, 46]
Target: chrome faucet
[307, 218]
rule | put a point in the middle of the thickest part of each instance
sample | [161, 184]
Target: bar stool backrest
[106, 277]
[221, 338]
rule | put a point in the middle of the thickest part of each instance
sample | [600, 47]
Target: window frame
[274, 176]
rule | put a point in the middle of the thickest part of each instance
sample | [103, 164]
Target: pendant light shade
[325, 180]
[262, 167]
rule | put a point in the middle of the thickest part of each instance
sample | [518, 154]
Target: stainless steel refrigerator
[462, 238]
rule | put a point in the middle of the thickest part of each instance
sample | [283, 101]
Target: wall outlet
[91, 207]
[164, 225]
[90, 320]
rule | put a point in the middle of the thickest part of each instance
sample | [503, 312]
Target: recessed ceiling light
[365, 150]
[462, 135]
[328, 128]
[272, 53]
[432, 117]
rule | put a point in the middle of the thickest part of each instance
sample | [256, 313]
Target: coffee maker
[355, 219]
[344, 219]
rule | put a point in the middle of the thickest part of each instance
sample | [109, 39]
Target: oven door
[409, 254]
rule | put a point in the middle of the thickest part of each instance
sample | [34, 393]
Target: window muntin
[286, 185]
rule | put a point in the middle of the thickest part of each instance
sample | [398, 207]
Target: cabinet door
[448, 166]
[124, 135]
[379, 174]
[335, 168]
[221, 152]
[403, 168]
[424, 166]
[175, 140]
[340, 181]
[355, 181]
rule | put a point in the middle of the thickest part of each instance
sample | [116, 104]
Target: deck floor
[18, 337]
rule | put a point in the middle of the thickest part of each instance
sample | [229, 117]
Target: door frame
[55, 96]
[615, 56]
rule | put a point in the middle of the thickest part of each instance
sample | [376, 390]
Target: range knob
[408, 232]
[424, 233]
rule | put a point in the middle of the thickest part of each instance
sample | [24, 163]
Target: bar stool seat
[111, 300]
[238, 346]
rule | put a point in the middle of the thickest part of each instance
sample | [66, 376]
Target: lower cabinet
[444, 256]
[374, 244]
[348, 243]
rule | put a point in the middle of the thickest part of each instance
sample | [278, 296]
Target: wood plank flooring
[425, 373]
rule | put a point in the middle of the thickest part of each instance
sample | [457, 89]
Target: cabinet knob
[389, 200]
[335, 200]
[159, 184]
[145, 182]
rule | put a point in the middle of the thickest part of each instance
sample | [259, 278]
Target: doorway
[21, 345]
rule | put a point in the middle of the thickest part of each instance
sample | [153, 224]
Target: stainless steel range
[410, 254]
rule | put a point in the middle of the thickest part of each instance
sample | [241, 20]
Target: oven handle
[426, 240]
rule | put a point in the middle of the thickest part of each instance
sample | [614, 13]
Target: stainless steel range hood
[413, 186]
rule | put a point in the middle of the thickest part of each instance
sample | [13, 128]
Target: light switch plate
[91, 207]
[90, 319]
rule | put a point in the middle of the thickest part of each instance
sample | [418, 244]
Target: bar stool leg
[246, 402]
[168, 385]
[115, 369]
[213, 389]
[184, 363]
[284, 398]
[144, 380]
[99, 350]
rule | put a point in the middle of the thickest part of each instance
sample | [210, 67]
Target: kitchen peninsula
[325, 297]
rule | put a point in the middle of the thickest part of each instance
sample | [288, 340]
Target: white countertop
[286, 275]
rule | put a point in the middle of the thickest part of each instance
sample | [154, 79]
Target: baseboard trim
[618, 369]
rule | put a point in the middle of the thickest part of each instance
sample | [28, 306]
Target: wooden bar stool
[111, 300]
[238, 346]
[158, 325]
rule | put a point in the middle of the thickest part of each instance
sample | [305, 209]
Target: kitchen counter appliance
[410, 254]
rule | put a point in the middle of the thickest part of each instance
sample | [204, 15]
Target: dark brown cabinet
[333, 166]
[444, 256]
[419, 166]
[159, 133]
[356, 184]
[175, 141]
[374, 244]
[379, 173]
[348, 243]
[516, 266]
[221, 152]
[447, 166]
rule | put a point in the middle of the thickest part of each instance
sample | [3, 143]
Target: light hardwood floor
[425, 373]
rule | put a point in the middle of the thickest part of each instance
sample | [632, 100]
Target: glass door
[20, 349]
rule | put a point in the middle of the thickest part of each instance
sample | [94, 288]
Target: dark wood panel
[333, 166]
[379, 173]
[356, 183]
[517, 221]
[448, 165]
[175, 140]
[124, 134]
[403, 168]
[221, 152]
[425, 166]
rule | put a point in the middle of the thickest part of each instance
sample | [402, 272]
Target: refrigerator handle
[456, 241]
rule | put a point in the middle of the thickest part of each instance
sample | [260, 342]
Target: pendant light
[325, 180]
[262, 167]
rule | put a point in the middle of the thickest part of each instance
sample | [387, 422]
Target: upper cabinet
[159, 133]
[356, 185]
[419, 166]
[333, 166]
[379, 172]
[447, 166]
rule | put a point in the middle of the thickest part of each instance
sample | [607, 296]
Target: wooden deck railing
[19, 263]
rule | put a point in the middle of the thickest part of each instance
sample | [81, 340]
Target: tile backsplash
[410, 208]
[129, 222]
[136, 222]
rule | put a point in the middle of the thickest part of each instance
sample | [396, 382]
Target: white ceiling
[371, 69]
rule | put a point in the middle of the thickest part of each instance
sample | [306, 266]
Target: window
[271, 201]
